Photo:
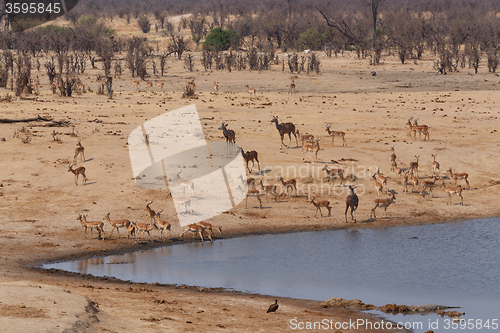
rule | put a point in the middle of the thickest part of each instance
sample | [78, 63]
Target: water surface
[453, 264]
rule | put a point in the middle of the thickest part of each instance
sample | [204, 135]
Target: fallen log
[37, 118]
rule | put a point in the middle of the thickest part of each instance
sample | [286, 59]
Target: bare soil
[39, 202]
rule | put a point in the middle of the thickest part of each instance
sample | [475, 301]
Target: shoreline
[39, 202]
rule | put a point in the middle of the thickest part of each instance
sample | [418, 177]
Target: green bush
[312, 39]
[221, 39]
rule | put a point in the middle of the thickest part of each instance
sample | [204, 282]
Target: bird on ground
[273, 307]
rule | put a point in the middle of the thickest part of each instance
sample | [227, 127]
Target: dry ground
[39, 202]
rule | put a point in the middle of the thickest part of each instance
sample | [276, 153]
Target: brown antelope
[405, 182]
[351, 201]
[334, 173]
[185, 183]
[149, 84]
[130, 230]
[435, 165]
[429, 185]
[333, 134]
[454, 190]
[185, 204]
[253, 193]
[196, 228]
[230, 136]
[285, 128]
[289, 184]
[457, 176]
[97, 225]
[77, 172]
[421, 129]
[397, 169]
[250, 181]
[383, 203]
[381, 177]
[79, 150]
[144, 227]
[151, 213]
[250, 156]
[136, 84]
[291, 89]
[378, 187]
[273, 189]
[414, 166]
[415, 182]
[117, 224]
[305, 137]
[319, 204]
[209, 227]
[393, 159]
[160, 84]
[216, 87]
[311, 146]
[251, 91]
[162, 225]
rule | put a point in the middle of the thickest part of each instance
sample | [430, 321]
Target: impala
[393, 159]
[383, 203]
[185, 183]
[429, 185]
[378, 187]
[285, 128]
[273, 189]
[251, 91]
[319, 204]
[405, 182]
[144, 227]
[136, 84]
[351, 201]
[79, 150]
[186, 203]
[117, 224]
[305, 137]
[311, 146]
[454, 190]
[149, 85]
[97, 225]
[415, 182]
[160, 84]
[216, 87]
[77, 172]
[291, 89]
[397, 169]
[209, 227]
[414, 166]
[196, 228]
[289, 184]
[457, 176]
[333, 134]
[381, 177]
[334, 173]
[435, 165]
[253, 193]
[421, 129]
[162, 225]
[151, 213]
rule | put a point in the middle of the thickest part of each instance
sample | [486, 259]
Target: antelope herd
[309, 143]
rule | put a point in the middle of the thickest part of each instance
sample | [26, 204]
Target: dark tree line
[459, 33]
